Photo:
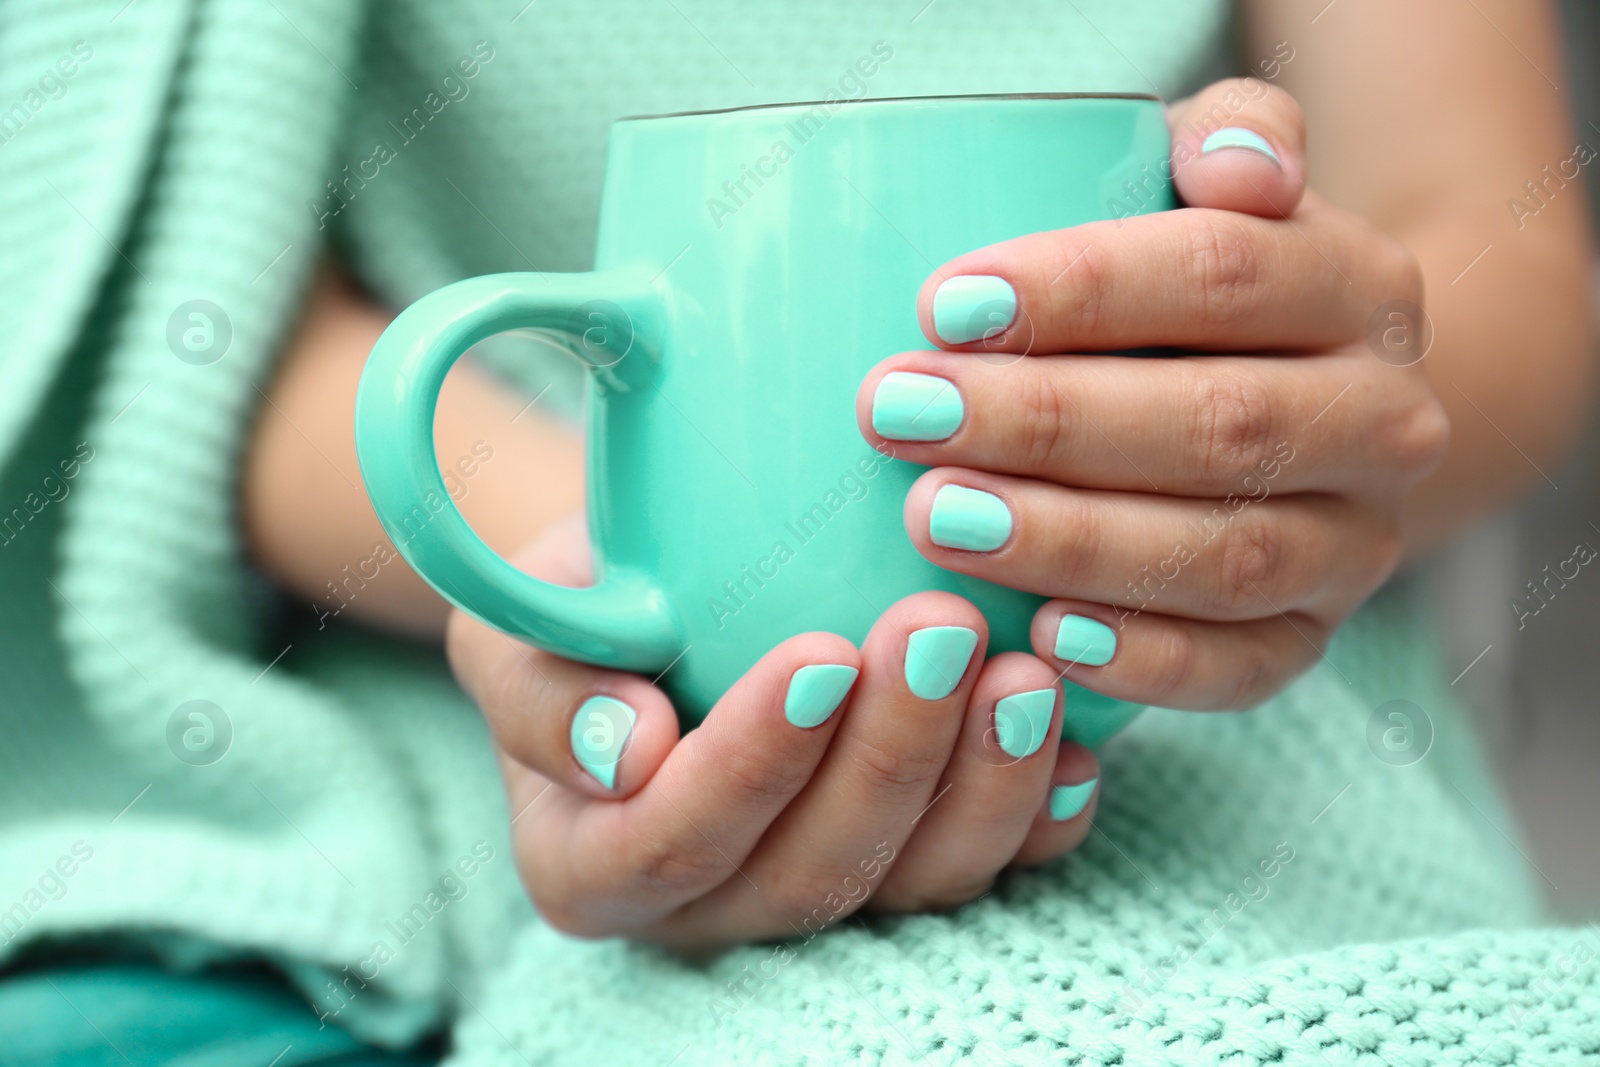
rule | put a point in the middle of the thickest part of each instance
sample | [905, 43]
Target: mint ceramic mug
[752, 265]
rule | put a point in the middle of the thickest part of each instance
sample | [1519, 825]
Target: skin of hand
[749, 826]
[819, 817]
[1217, 514]
[752, 826]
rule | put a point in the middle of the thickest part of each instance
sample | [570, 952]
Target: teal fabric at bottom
[127, 1014]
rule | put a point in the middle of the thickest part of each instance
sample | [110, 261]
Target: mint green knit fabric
[1259, 888]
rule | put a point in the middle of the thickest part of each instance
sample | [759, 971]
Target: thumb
[1239, 145]
[598, 732]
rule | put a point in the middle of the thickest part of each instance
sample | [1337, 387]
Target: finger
[1065, 818]
[1239, 145]
[1147, 658]
[990, 791]
[919, 663]
[597, 731]
[1197, 426]
[1196, 278]
[1238, 558]
[693, 825]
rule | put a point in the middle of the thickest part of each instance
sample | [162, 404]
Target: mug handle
[624, 620]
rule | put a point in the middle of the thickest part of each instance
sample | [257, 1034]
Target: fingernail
[916, 407]
[1084, 640]
[969, 519]
[815, 691]
[1068, 800]
[1239, 137]
[599, 732]
[1023, 720]
[971, 307]
[936, 658]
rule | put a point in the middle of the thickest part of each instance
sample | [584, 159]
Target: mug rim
[891, 100]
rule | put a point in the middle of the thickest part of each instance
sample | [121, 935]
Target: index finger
[1196, 278]
[571, 722]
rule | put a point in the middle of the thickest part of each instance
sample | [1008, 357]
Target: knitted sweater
[192, 762]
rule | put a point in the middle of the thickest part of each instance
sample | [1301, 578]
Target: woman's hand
[820, 782]
[1205, 521]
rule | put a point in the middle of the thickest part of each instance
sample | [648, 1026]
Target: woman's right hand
[763, 822]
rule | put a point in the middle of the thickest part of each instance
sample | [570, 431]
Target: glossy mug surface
[752, 266]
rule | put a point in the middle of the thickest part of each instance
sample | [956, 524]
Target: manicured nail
[1068, 800]
[1239, 137]
[599, 732]
[916, 407]
[1023, 720]
[936, 658]
[815, 691]
[968, 518]
[1084, 640]
[971, 307]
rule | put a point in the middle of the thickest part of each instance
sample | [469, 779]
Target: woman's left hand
[1205, 521]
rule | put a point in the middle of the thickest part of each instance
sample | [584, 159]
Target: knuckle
[1224, 266]
[505, 695]
[1388, 549]
[893, 774]
[567, 919]
[1294, 116]
[462, 637]
[1043, 422]
[1080, 536]
[1373, 553]
[455, 636]
[759, 782]
[1252, 562]
[503, 680]
[801, 897]
[1399, 270]
[1080, 290]
[937, 898]
[1302, 645]
[1234, 425]
[1254, 678]
[1172, 658]
[1418, 441]
[556, 903]
[496, 689]
[662, 864]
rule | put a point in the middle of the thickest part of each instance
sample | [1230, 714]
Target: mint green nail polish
[936, 658]
[968, 518]
[1068, 800]
[815, 691]
[1239, 137]
[599, 733]
[1084, 640]
[971, 307]
[1023, 720]
[916, 407]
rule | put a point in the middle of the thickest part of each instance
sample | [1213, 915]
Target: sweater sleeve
[194, 766]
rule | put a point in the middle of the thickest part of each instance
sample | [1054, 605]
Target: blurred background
[1536, 688]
